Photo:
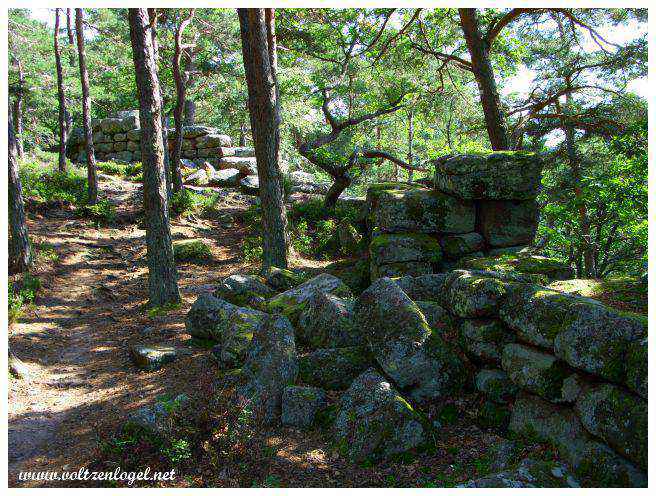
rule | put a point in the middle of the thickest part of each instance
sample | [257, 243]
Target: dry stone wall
[480, 204]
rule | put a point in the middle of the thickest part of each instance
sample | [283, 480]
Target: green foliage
[21, 293]
[48, 186]
[112, 168]
[102, 211]
[192, 251]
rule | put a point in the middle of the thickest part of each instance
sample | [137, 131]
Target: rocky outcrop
[327, 322]
[528, 473]
[300, 405]
[333, 368]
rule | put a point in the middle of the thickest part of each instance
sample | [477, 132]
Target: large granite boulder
[427, 287]
[403, 344]
[327, 322]
[471, 295]
[270, 366]
[485, 339]
[456, 246]
[245, 165]
[538, 268]
[540, 420]
[227, 178]
[250, 185]
[374, 421]
[535, 371]
[244, 290]
[528, 473]
[636, 367]
[417, 210]
[232, 326]
[492, 176]
[293, 301]
[300, 405]
[403, 254]
[617, 417]
[333, 368]
[508, 223]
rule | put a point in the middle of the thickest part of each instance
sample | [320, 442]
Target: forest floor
[82, 384]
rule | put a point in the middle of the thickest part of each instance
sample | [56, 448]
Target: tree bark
[259, 54]
[162, 273]
[61, 97]
[92, 178]
[484, 74]
[242, 134]
[20, 252]
[71, 41]
[17, 107]
[189, 104]
[411, 132]
[181, 91]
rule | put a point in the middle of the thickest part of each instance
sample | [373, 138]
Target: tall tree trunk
[181, 91]
[484, 74]
[61, 97]
[162, 273]
[242, 134]
[152, 17]
[20, 252]
[71, 41]
[411, 132]
[259, 53]
[92, 178]
[189, 104]
[17, 108]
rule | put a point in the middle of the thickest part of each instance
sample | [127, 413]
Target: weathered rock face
[496, 385]
[333, 368]
[485, 339]
[228, 178]
[494, 176]
[349, 238]
[534, 371]
[417, 210]
[293, 301]
[304, 182]
[471, 295]
[537, 268]
[243, 290]
[246, 165]
[270, 366]
[429, 287]
[404, 345]
[617, 417]
[397, 254]
[636, 367]
[232, 326]
[327, 322]
[282, 279]
[508, 223]
[456, 246]
[154, 357]
[374, 421]
[156, 418]
[528, 474]
[300, 404]
[546, 422]
[437, 317]
[250, 185]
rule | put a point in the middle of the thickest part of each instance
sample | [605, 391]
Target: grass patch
[20, 294]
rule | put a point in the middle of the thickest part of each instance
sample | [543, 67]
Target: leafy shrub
[181, 202]
[103, 211]
[20, 294]
[133, 170]
[252, 249]
[112, 168]
[191, 251]
[53, 185]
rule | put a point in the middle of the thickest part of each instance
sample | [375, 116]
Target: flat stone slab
[154, 357]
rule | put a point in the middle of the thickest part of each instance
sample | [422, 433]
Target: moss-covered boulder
[427, 287]
[486, 331]
[637, 371]
[155, 356]
[617, 417]
[157, 418]
[354, 273]
[231, 326]
[540, 420]
[333, 368]
[292, 302]
[623, 293]
[282, 279]
[327, 322]
[537, 372]
[300, 405]
[508, 223]
[528, 473]
[244, 290]
[490, 176]
[401, 254]
[539, 269]
[470, 295]
[417, 210]
[403, 344]
[270, 366]
[374, 421]
[496, 385]
[599, 341]
[456, 246]
[438, 318]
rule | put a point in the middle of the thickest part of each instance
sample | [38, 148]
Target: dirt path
[91, 308]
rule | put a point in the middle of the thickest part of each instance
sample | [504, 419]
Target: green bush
[53, 185]
[133, 170]
[112, 168]
[252, 249]
[191, 251]
[182, 201]
[103, 211]
[22, 293]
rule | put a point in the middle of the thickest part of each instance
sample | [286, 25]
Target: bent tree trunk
[61, 97]
[258, 49]
[189, 104]
[71, 41]
[92, 178]
[20, 253]
[17, 107]
[484, 74]
[162, 273]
